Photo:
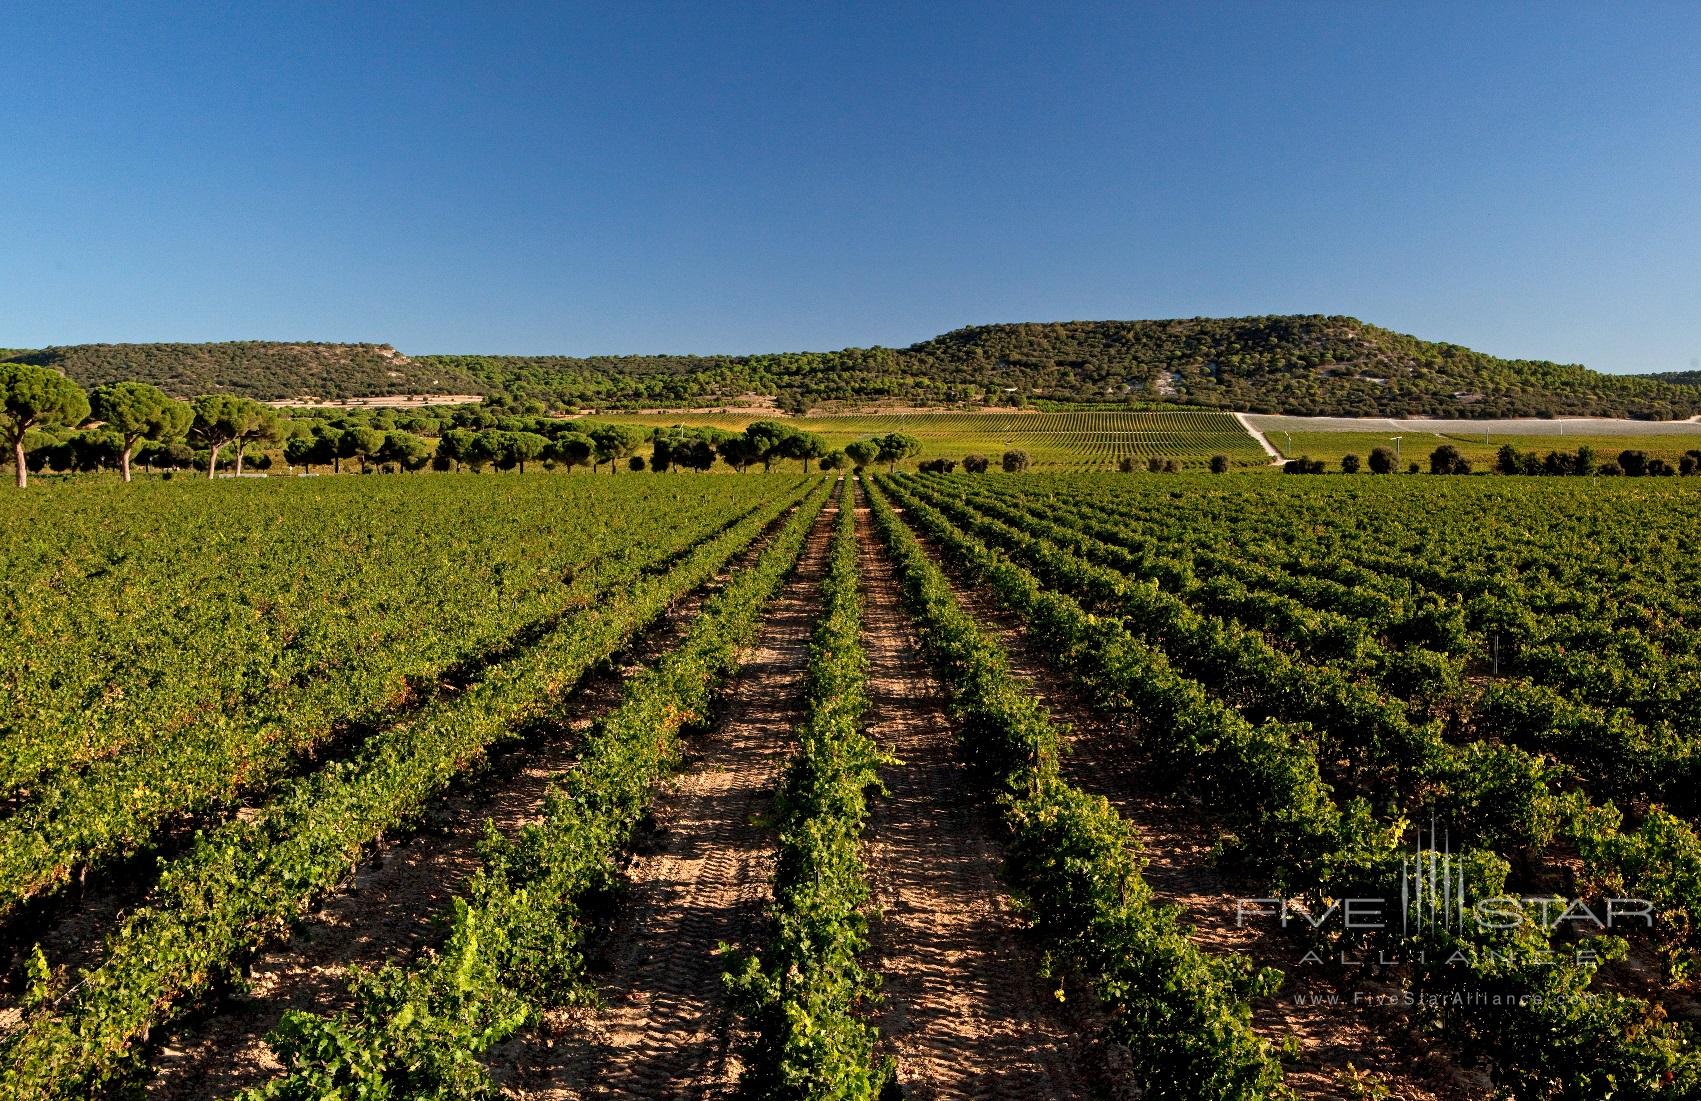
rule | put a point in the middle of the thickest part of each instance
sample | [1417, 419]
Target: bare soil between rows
[701, 879]
[390, 910]
[1349, 1039]
[965, 1012]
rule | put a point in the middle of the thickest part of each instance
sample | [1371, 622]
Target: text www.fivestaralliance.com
[1413, 998]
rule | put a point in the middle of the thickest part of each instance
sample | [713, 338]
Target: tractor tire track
[1340, 1042]
[389, 910]
[964, 1011]
[702, 879]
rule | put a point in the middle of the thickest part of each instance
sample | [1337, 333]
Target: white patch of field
[1509, 426]
[390, 401]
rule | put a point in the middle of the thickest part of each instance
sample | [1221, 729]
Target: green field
[1059, 442]
[340, 681]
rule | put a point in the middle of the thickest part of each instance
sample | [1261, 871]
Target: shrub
[1446, 459]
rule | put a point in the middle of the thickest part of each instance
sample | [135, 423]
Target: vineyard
[1054, 785]
[1059, 442]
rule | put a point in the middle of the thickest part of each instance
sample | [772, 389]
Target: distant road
[390, 401]
[1257, 433]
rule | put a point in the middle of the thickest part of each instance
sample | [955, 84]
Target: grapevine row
[1609, 637]
[243, 881]
[1265, 784]
[517, 937]
[292, 608]
[1182, 1013]
[1502, 794]
[1619, 757]
[806, 994]
[116, 806]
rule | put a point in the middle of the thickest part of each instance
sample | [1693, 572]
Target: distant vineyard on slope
[1078, 441]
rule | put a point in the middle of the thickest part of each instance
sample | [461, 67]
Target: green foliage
[517, 936]
[612, 442]
[894, 447]
[222, 419]
[806, 994]
[1294, 364]
[240, 880]
[33, 398]
[1182, 1012]
[1447, 460]
[260, 369]
[138, 411]
[862, 452]
[1268, 794]
[406, 450]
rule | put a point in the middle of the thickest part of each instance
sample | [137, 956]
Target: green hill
[1681, 378]
[268, 370]
[1288, 364]
[1295, 364]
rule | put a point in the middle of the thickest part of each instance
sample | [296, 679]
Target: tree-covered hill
[263, 369]
[1682, 378]
[1293, 364]
[1287, 364]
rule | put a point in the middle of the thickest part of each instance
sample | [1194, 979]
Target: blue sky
[718, 177]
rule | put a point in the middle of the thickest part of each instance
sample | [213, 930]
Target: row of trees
[1448, 459]
[1014, 461]
[1583, 462]
[678, 447]
[1445, 459]
[36, 398]
[138, 420]
[1158, 464]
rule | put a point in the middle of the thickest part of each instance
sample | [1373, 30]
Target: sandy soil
[1258, 434]
[1178, 842]
[390, 909]
[965, 1013]
[702, 880]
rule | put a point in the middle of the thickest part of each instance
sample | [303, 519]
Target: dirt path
[1258, 434]
[1178, 842]
[388, 911]
[702, 879]
[965, 1013]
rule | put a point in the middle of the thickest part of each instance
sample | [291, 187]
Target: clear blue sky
[719, 177]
